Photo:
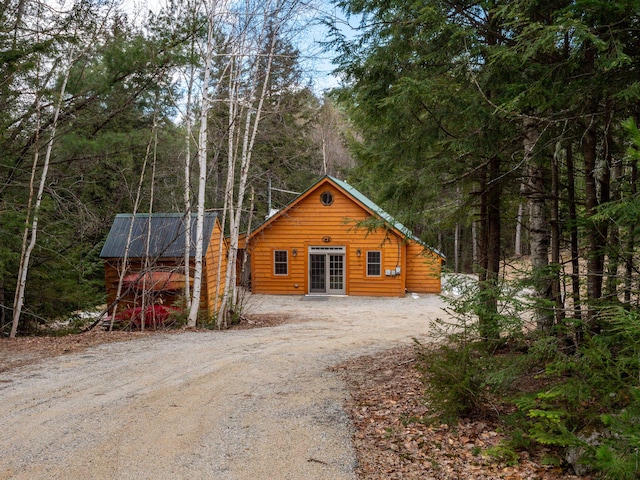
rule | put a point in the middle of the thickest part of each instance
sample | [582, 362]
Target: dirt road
[249, 404]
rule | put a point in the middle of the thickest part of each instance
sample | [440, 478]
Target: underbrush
[578, 403]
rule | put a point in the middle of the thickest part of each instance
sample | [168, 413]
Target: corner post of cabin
[403, 266]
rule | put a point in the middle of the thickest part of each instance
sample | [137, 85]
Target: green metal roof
[381, 213]
[166, 233]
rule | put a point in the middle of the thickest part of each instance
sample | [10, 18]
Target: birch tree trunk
[202, 171]
[573, 222]
[22, 274]
[32, 231]
[555, 273]
[228, 191]
[147, 247]
[249, 135]
[192, 13]
[187, 193]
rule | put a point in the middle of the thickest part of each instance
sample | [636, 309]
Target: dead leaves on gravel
[23, 351]
[394, 441]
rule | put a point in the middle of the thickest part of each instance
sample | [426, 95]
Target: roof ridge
[163, 214]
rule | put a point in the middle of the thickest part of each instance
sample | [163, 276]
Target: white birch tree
[272, 19]
[66, 59]
[191, 14]
[214, 12]
[236, 58]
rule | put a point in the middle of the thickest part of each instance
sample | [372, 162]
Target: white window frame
[378, 263]
[277, 262]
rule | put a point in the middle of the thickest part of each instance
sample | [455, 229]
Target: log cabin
[332, 240]
[154, 263]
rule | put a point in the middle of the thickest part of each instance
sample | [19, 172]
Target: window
[374, 263]
[281, 262]
[326, 198]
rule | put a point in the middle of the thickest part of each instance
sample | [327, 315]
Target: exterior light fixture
[358, 252]
[294, 252]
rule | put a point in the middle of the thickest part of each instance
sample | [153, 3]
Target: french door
[326, 270]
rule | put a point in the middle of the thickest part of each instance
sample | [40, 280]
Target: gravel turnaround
[242, 404]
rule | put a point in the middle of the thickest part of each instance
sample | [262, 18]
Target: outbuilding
[148, 251]
[332, 240]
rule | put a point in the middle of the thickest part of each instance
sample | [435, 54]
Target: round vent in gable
[326, 198]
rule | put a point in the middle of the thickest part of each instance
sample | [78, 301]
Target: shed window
[281, 262]
[374, 263]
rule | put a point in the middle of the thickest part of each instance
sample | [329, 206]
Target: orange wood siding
[211, 270]
[423, 269]
[310, 223]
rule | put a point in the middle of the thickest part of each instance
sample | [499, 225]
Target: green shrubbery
[593, 405]
[582, 403]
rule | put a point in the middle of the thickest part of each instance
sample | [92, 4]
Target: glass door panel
[336, 274]
[317, 273]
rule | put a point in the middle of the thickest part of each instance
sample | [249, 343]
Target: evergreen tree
[102, 132]
[422, 93]
[459, 98]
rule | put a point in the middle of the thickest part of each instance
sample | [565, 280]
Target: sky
[316, 62]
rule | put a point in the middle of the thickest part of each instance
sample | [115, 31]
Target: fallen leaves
[395, 437]
[21, 351]
[17, 352]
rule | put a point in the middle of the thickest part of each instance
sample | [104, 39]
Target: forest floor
[391, 438]
[396, 438]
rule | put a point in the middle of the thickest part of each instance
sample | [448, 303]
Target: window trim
[369, 263]
[277, 263]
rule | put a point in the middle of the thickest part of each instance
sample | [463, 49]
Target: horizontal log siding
[423, 269]
[305, 225]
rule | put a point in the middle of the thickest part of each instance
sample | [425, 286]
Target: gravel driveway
[243, 404]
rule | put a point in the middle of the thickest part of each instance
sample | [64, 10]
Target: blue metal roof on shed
[166, 230]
